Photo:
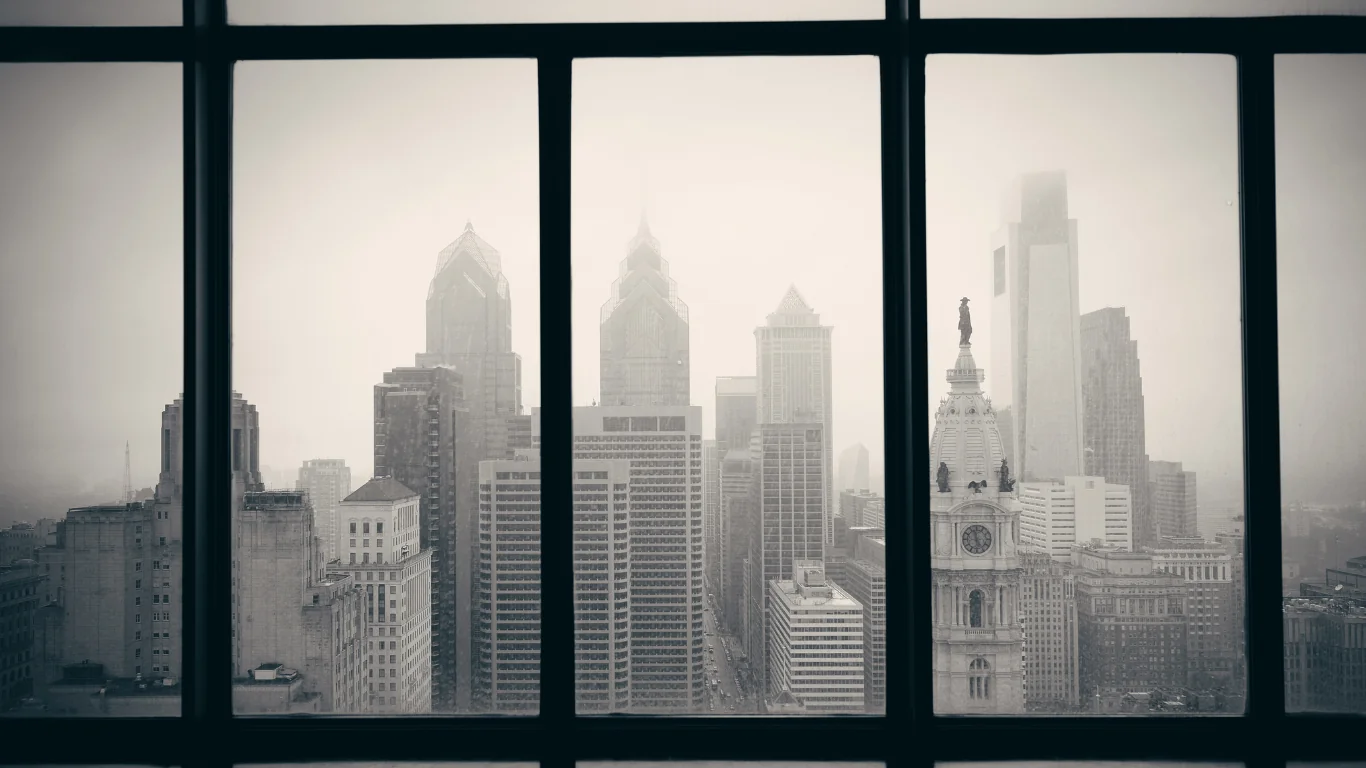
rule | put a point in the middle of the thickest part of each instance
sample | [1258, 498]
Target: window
[293, 172]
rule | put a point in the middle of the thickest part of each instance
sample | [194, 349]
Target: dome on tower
[967, 440]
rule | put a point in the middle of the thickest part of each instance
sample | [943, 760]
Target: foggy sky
[1149, 144]
[756, 174]
[335, 245]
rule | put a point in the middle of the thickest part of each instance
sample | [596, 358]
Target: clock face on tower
[976, 539]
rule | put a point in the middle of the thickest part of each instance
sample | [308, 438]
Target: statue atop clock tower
[974, 556]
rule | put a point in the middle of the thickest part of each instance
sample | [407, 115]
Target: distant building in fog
[711, 512]
[1035, 331]
[853, 468]
[1173, 499]
[1114, 438]
[644, 331]
[1057, 516]
[327, 482]
[795, 375]
[863, 508]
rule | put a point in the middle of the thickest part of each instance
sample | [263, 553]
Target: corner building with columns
[974, 539]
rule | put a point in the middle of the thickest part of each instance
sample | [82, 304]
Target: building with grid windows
[327, 482]
[1113, 436]
[787, 524]
[1131, 628]
[21, 591]
[1049, 615]
[663, 448]
[602, 586]
[974, 558]
[711, 512]
[425, 440]
[865, 580]
[1035, 330]
[507, 628]
[1172, 495]
[815, 642]
[383, 554]
[794, 383]
[1325, 654]
[644, 331]
[737, 476]
[293, 614]
[1208, 570]
[1054, 517]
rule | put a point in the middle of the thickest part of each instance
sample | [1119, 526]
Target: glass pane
[90, 13]
[716, 459]
[90, 281]
[386, 393]
[542, 11]
[1084, 341]
[1029, 9]
[1320, 189]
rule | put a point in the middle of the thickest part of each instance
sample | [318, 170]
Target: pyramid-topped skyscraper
[795, 373]
[644, 327]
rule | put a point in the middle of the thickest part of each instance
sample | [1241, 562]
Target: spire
[792, 303]
[644, 229]
[469, 226]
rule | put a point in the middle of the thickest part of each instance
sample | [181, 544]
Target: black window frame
[910, 734]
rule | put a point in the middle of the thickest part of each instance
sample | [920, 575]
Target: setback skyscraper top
[644, 347]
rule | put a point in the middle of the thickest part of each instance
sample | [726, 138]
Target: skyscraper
[1172, 491]
[1050, 630]
[736, 527]
[644, 331]
[327, 482]
[1113, 434]
[974, 559]
[853, 468]
[422, 423]
[795, 382]
[711, 512]
[663, 446]
[788, 488]
[1035, 330]
[737, 407]
[469, 327]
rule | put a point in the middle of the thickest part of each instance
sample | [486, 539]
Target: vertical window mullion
[207, 109]
[1261, 391]
[554, 76]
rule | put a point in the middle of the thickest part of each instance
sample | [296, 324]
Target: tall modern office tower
[795, 382]
[1035, 330]
[711, 512]
[644, 331]
[327, 482]
[507, 663]
[469, 327]
[422, 423]
[787, 498]
[737, 476]
[853, 469]
[602, 586]
[1049, 600]
[1172, 492]
[1114, 445]
[975, 566]
[663, 446]
[382, 552]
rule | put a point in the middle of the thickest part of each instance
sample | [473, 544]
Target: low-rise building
[815, 642]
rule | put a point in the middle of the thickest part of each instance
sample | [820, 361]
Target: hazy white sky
[348, 186]
[1150, 147]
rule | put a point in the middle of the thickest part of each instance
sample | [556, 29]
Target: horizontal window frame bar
[1281, 34]
[344, 739]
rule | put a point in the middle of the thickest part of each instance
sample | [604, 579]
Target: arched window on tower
[975, 608]
[979, 679]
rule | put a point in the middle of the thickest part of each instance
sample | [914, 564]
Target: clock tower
[974, 552]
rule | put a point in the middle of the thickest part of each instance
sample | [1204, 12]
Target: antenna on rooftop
[127, 475]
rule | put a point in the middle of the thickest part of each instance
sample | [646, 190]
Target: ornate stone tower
[975, 533]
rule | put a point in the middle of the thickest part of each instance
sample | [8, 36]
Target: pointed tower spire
[127, 474]
[469, 225]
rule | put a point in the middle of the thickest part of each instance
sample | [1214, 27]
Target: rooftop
[382, 489]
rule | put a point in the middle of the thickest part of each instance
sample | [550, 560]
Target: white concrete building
[380, 525]
[815, 642]
[1056, 516]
